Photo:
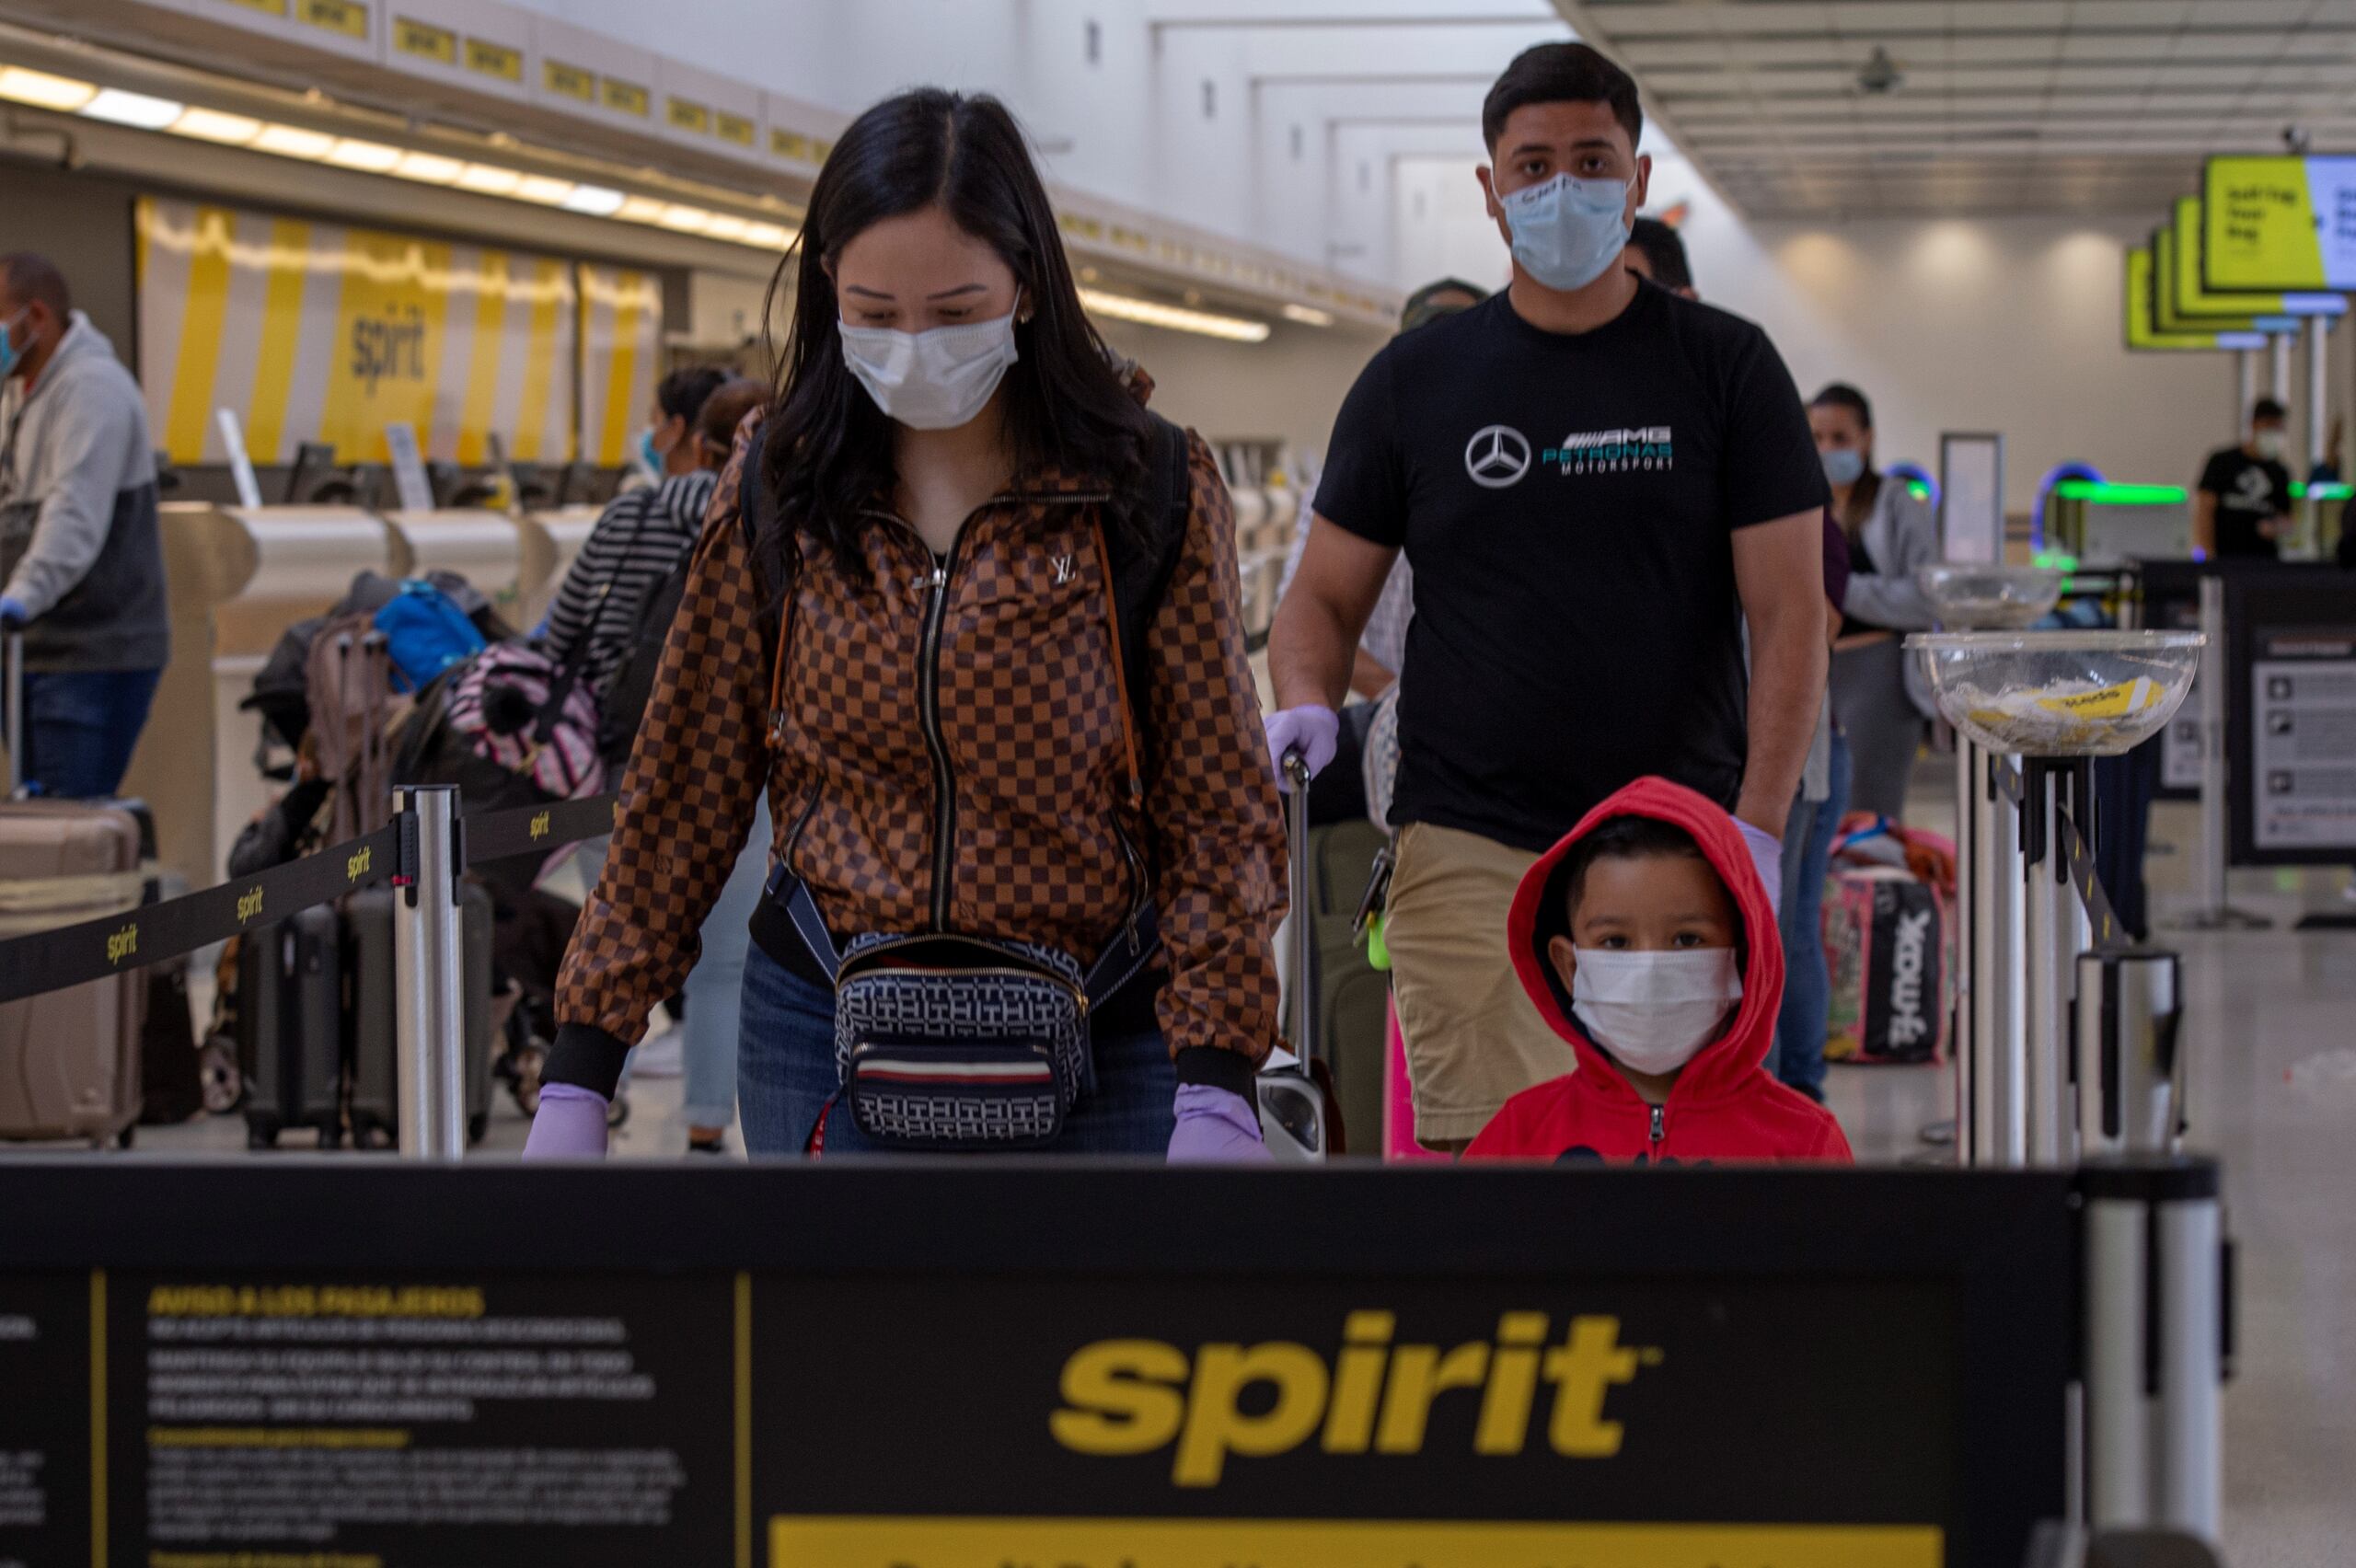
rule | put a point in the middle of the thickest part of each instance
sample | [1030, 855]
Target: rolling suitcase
[69, 1060]
[368, 1021]
[289, 1004]
[1353, 997]
[1299, 1117]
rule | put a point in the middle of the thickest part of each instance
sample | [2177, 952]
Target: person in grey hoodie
[80, 556]
[1878, 696]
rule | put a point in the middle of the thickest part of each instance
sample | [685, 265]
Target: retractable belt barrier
[971, 1364]
[2077, 858]
[93, 950]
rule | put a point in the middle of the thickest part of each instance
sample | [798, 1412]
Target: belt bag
[949, 1043]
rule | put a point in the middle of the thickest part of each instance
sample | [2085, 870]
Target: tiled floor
[2272, 1026]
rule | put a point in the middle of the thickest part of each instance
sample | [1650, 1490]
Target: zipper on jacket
[1660, 1124]
[944, 782]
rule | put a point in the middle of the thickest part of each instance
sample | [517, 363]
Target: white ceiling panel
[2003, 105]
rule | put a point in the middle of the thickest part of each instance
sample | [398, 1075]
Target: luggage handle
[13, 653]
[1302, 1020]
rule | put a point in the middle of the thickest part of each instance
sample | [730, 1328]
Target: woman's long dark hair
[828, 452]
[1867, 490]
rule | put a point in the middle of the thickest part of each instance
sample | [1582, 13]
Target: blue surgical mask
[646, 451]
[1844, 465]
[9, 354]
[1567, 232]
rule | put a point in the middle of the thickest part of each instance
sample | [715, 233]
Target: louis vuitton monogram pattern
[1030, 716]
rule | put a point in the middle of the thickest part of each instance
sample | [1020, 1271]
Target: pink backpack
[519, 707]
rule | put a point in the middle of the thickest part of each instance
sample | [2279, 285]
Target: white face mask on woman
[933, 380]
[1654, 1012]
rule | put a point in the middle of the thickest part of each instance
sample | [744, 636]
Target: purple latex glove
[1312, 731]
[570, 1124]
[1767, 860]
[1216, 1128]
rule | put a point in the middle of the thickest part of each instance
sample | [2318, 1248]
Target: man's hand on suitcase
[1313, 731]
[1215, 1127]
[570, 1124]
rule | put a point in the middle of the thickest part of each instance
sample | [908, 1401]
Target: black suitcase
[376, 1069]
[1353, 997]
[289, 1036]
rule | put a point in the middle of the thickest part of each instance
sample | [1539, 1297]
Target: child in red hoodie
[1647, 941]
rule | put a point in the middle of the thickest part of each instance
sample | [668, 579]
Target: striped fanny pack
[954, 1043]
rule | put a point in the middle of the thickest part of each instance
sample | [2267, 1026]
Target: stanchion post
[2318, 396]
[2187, 1236]
[429, 1002]
[2245, 387]
[2118, 1421]
[2281, 344]
[1969, 1067]
[2000, 969]
[2047, 930]
[2214, 913]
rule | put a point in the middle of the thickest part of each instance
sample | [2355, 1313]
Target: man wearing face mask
[1597, 483]
[80, 558]
[2243, 507]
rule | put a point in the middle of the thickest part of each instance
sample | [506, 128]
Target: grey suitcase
[375, 1080]
[290, 1010]
[1352, 995]
[69, 1060]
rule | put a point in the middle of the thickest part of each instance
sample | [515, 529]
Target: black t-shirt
[2250, 490]
[1567, 502]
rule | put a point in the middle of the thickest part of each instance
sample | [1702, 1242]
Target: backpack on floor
[533, 715]
[1890, 951]
[426, 632]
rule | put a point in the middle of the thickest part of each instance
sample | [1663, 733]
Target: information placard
[2166, 319]
[2143, 337]
[2278, 223]
[2182, 284]
[325, 1363]
[2292, 732]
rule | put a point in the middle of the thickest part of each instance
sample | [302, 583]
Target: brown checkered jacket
[1031, 712]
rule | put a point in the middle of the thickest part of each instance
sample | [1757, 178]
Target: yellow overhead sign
[2168, 318]
[2141, 334]
[2183, 291]
[2278, 223]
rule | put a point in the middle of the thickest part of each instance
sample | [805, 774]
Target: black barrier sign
[1110, 1367]
[74, 955]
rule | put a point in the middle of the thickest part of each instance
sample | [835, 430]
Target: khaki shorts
[1474, 1039]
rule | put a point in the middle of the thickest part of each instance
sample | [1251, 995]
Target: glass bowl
[1969, 598]
[2059, 692]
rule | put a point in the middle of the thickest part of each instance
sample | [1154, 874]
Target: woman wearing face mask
[1891, 532]
[967, 616]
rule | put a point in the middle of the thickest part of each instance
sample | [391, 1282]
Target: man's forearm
[1311, 654]
[1788, 668]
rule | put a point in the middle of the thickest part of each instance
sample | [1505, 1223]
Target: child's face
[1647, 904]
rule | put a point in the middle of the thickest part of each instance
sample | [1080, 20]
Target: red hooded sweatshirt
[1724, 1106]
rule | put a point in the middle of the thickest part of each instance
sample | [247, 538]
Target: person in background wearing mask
[641, 537]
[2243, 506]
[1657, 253]
[1598, 484]
[1891, 533]
[81, 559]
[1339, 793]
[1647, 941]
[907, 640]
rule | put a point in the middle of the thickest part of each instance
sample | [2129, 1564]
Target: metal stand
[1971, 1067]
[1999, 960]
[2215, 914]
[2281, 345]
[2056, 931]
[2155, 1346]
[2126, 1033]
[2245, 387]
[2318, 390]
[428, 1003]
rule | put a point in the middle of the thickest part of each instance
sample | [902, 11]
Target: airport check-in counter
[238, 578]
[2111, 523]
[552, 539]
[487, 548]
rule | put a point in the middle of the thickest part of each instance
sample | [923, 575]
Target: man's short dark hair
[34, 278]
[1665, 249]
[1561, 73]
[2266, 409]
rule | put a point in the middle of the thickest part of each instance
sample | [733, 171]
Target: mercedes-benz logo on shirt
[1496, 456]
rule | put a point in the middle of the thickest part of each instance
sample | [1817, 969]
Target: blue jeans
[80, 726]
[707, 1042]
[1799, 1058]
[785, 1075]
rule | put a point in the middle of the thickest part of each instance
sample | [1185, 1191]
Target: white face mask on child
[1654, 1012]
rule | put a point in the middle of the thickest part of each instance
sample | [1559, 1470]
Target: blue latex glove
[1767, 860]
[571, 1124]
[12, 612]
[1312, 731]
[1216, 1128]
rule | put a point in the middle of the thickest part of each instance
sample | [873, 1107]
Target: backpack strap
[769, 546]
[1140, 577]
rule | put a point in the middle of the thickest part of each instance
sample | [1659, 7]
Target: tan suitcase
[69, 1060]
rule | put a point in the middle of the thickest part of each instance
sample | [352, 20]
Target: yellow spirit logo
[249, 905]
[357, 865]
[1135, 1396]
[539, 826]
[123, 944]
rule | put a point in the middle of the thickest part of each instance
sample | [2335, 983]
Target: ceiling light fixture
[294, 142]
[1308, 315]
[43, 90]
[488, 180]
[597, 200]
[137, 110]
[368, 157]
[545, 190]
[1175, 319]
[428, 169]
[212, 125]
